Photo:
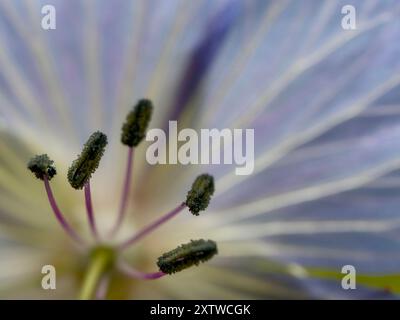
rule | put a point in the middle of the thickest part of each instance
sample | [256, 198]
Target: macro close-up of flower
[78, 193]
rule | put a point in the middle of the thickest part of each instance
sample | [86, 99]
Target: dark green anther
[137, 121]
[87, 162]
[187, 255]
[42, 166]
[199, 196]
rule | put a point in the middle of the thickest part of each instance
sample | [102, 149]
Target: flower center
[103, 259]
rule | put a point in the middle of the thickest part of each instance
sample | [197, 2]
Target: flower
[324, 104]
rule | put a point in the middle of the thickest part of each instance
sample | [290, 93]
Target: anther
[137, 121]
[42, 166]
[187, 255]
[87, 162]
[198, 198]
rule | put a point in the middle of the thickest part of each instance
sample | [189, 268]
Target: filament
[152, 226]
[89, 209]
[125, 192]
[136, 274]
[57, 212]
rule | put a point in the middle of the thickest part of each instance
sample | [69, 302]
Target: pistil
[101, 261]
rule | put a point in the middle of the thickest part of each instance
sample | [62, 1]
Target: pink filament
[152, 226]
[57, 212]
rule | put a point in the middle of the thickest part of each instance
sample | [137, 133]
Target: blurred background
[324, 102]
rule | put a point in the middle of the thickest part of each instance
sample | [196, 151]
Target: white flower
[324, 103]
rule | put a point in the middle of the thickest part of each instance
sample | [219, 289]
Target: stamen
[187, 255]
[89, 209]
[137, 121]
[133, 132]
[68, 229]
[152, 226]
[43, 168]
[136, 274]
[198, 198]
[87, 162]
